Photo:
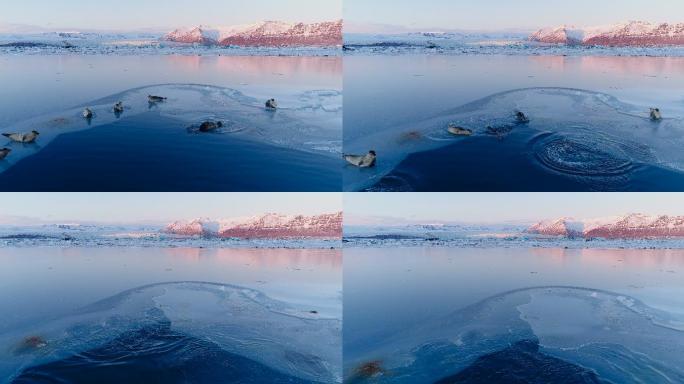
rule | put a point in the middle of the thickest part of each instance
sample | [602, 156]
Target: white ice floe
[593, 137]
[619, 337]
[300, 123]
[285, 337]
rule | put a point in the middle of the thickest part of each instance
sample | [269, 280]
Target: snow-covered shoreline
[493, 236]
[511, 242]
[142, 237]
[170, 49]
[488, 44]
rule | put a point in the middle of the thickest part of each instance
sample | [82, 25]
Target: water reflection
[261, 257]
[636, 258]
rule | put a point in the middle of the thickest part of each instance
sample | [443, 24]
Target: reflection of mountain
[623, 257]
[633, 226]
[633, 33]
[262, 257]
[271, 225]
[616, 65]
[264, 34]
[251, 68]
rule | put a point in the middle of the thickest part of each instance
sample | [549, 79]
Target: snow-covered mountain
[633, 33]
[270, 225]
[267, 33]
[633, 226]
[564, 226]
[558, 35]
[198, 35]
[197, 227]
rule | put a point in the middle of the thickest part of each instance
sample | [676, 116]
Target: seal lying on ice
[362, 161]
[655, 114]
[23, 137]
[458, 131]
[155, 99]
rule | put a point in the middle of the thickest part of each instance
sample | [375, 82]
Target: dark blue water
[154, 153]
[510, 165]
[522, 363]
[155, 354]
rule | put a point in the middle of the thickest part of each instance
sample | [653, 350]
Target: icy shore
[140, 236]
[140, 44]
[484, 44]
[488, 237]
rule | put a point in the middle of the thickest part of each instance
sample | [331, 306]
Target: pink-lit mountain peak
[631, 226]
[265, 33]
[631, 33]
[269, 225]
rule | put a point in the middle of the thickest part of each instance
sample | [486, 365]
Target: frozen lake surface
[421, 315]
[172, 313]
[256, 149]
[589, 127]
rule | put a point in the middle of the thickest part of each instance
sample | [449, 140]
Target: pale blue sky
[505, 14]
[504, 207]
[159, 207]
[132, 14]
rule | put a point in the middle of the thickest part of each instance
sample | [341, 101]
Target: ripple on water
[586, 135]
[591, 157]
[310, 122]
[582, 155]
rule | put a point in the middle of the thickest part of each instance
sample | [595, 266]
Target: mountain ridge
[266, 33]
[631, 33]
[631, 226]
[269, 225]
